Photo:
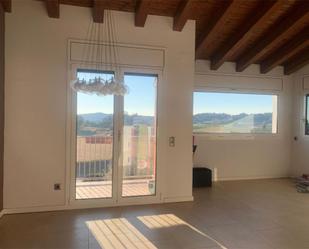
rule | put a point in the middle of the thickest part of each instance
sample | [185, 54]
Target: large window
[215, 112]
[307, 116]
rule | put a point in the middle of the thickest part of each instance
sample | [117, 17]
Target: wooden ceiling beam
[276, 33]
[182, 15]
[53, 8]
[297, 62]
[237, 41]
[141, 12]
[6, 5]
[98, 10]
[282, 54]
[215, 25]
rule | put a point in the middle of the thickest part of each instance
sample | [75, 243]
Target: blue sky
[142, 97]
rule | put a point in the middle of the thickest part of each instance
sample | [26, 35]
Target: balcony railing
[94, 166]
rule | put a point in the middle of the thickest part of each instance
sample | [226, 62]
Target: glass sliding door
[94, 141]
[139, 136]
[115, 141]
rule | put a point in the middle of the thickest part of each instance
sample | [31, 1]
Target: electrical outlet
[57, 186]
[171, 141]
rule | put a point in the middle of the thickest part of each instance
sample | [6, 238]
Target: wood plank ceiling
[266, 32]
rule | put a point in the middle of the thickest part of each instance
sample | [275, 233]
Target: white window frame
[303, 109]
[306, 116]
[301, 104]
[117, 170]
[240, 136]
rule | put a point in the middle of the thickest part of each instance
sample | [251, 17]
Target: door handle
[119, 135]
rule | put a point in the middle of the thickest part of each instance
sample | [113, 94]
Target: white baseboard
[178, 199]
[33, 209]
[90, 206]
[251, 178]
[165, 199]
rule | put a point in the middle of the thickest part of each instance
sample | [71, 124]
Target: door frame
[117, 199]
[71, 145]
[144, 199]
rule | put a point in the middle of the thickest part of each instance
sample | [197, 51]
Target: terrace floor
[255, 214]
[103, 189]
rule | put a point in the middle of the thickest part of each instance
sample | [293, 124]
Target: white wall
[256, 156]
[300, 152]
[36, 99]
[35, 107]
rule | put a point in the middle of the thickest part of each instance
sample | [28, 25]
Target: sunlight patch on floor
[118, 233]
[171, 220]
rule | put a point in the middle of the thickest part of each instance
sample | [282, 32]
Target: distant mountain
[223, 118]
[138, 119]
[94, 117]
[201, 118]
[216, 118]
[99, 117]
[263, 118]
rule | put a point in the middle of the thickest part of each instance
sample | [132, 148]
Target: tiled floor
[235, 215]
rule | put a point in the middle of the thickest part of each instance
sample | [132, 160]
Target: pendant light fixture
[101, 48]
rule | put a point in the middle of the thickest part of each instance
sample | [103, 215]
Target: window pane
[139, 136]
[307, 115]
[234, 113]
[94, 142]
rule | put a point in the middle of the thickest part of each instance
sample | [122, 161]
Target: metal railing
[94, 158]
[94, 169]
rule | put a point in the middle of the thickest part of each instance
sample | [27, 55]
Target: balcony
[94, 167]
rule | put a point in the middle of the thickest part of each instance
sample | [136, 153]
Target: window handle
[119, 135]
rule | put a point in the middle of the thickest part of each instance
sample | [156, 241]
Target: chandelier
[100, 47]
